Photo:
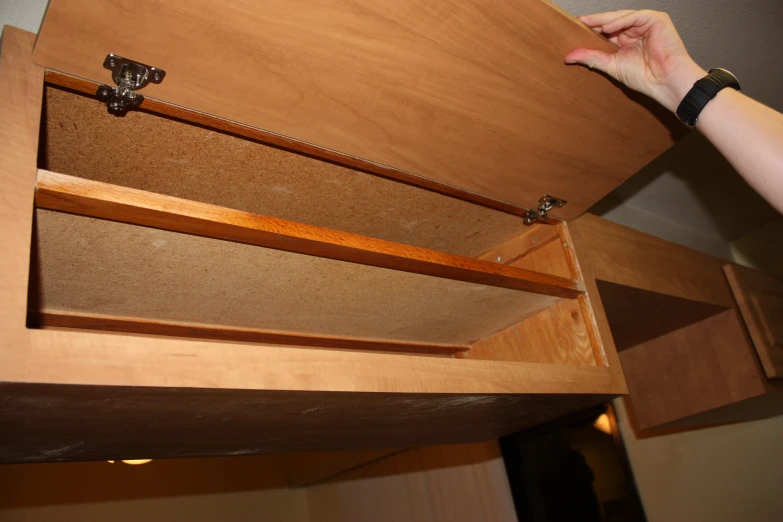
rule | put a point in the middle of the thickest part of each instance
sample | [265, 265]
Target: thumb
[593, 59]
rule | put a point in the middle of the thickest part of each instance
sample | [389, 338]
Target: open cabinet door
[760, 299]
[470, 98]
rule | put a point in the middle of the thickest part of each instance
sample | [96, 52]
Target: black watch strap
[702, 92]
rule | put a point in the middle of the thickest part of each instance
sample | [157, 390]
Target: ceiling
[691, 194]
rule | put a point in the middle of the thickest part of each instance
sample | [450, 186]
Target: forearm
[651, 58]
[750, 136]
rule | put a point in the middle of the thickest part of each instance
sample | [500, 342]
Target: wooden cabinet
[311, 237]
[679, 331]
[760, 299]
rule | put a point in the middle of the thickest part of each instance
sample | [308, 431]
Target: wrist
[679, 81]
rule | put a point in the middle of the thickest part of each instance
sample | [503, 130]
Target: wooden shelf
[84, 321]
[102, 200]
[291, 285]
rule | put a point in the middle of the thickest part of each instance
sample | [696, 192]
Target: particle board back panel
[149, 152]
[473, 95]
[101, 267]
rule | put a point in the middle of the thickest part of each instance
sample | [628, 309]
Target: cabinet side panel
[21, 92]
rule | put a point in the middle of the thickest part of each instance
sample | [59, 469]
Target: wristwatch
[702, 92]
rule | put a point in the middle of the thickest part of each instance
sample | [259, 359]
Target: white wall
[275, 505]
[24, 14]
[722, 474]
[762, 248]
[464, 483]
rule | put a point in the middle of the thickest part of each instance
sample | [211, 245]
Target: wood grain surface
[636, 315]
[20, 115]
[558, 335]
[760, 300]
[177, 397]
[223, 168]
[149, 422]
[549, 259]
[700, 367]
[527, 242]
[469, 94]
[624, 256]
[103, 200]
[699, 374]
[564, 334]
[50, 319]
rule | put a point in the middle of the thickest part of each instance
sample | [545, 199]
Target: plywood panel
[636, 316]
[151, 422]
[549, 259]
[469, 94]
[531, 238]
[558, 335]
[628, 257]
[166, 156]
[760, 300]
[691, 370]
[20, 108]
[104, 323]
[101, 267]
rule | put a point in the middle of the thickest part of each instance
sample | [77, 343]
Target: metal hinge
[545, 204]
[129, 76]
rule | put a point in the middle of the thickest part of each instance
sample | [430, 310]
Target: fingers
[614, 22]
[596, 21]
[632, 19]
[598, 60]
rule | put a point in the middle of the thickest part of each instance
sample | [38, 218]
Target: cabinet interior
[118, 275]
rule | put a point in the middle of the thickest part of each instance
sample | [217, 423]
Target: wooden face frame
[151, 396]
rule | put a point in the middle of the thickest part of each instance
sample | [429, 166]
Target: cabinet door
[760, 299]
[469, 98]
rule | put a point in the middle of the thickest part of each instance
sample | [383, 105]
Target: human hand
[651, 59]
